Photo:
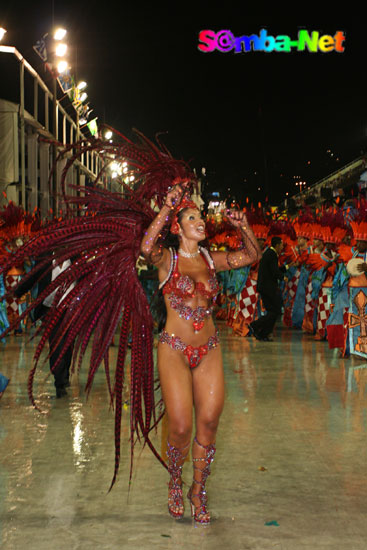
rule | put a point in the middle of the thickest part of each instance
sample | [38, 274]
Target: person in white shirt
[62, 372]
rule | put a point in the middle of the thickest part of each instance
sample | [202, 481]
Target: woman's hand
[248, 251]
[237, 218]
[175, 195]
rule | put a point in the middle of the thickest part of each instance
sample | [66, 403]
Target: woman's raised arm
[151, 250]
[250, 251]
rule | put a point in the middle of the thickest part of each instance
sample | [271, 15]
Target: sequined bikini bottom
[194, 355]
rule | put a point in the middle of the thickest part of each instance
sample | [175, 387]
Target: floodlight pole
[22, 135]
[55, 132]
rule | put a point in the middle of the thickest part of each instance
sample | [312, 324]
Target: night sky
[254, 120]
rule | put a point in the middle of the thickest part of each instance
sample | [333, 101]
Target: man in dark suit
[267, 285]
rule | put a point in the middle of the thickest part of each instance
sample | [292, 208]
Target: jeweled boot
[201, 466]
[176, 459]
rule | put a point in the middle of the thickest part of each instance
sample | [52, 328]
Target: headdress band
[186, 202]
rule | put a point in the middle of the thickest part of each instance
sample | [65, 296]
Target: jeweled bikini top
[183, 286]
[180, 287]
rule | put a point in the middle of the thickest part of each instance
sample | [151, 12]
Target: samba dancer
[189, 356]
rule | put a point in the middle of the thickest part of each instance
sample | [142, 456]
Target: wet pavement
[290, 470]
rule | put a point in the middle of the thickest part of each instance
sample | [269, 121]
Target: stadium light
[59, 34]
[62, 66]
[61, 49]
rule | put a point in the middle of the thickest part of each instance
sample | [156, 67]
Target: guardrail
[70, 131]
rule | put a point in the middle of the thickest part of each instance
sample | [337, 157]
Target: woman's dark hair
[172, 240]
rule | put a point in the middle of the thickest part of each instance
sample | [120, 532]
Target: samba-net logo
[224, 41]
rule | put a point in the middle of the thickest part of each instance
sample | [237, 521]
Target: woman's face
[192, 225]
[302, 241]
[318, 243]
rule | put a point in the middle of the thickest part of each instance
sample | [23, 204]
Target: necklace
[188, 254]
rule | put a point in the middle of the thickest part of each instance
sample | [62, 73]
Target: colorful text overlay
[225, 41]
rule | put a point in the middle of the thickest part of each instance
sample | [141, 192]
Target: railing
[89, 165]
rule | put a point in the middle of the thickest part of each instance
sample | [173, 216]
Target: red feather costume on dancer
[103, 236]
[105, 245]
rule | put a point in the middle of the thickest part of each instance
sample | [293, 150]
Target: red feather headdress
[186, 202]
[303, 230]
[260, 231]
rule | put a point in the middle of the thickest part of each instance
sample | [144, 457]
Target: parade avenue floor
[289, 474]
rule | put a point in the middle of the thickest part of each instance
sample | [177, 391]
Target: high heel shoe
[176, 459]
[199, 511]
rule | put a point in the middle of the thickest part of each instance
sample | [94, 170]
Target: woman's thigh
[208, 382]
[176, 385]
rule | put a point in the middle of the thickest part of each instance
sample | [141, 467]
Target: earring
[175, 228]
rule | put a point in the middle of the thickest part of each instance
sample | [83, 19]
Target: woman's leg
[208, 386]
[208, 382]
[176, 384]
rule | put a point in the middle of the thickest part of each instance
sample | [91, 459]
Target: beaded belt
[194, 355]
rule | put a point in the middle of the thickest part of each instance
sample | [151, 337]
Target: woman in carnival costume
[346, 326]
[248, 307]
[189, 356]
[16, 226]
[105, 243]
[4, 323]
[295, 288]
[323, 267]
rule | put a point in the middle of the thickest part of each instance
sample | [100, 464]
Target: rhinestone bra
[180, 287]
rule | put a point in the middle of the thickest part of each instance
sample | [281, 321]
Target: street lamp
[2, 33]
[62, 66]
[61, 49]
[59, 34]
